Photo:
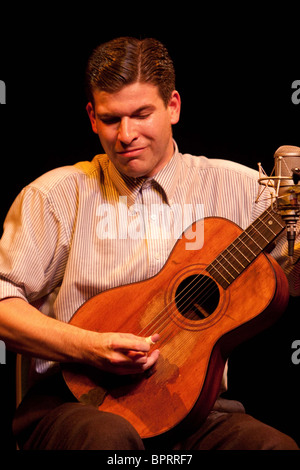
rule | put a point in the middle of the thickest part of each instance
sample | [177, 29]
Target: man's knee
[112, 432]
[280, 441]
[73, 426]
[251, 434]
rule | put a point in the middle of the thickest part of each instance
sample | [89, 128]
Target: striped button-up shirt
[81, 229]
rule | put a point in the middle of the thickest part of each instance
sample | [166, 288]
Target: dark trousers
[49, 418]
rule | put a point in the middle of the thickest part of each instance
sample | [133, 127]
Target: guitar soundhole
[197, 297]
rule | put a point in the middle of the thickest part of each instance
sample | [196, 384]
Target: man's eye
[142, 116]
[109, 121]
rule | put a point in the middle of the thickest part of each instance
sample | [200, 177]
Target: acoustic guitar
[203, 303]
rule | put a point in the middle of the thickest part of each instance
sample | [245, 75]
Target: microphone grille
[289, 156]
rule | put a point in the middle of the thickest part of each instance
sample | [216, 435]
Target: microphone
[287, 170]
[286, 184]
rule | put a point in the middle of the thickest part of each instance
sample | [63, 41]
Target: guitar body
[195, 342]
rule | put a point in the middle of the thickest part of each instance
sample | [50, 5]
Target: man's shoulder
[68, 176]
[218, 165]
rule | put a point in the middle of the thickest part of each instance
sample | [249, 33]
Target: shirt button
[132, 210]
[153, 216]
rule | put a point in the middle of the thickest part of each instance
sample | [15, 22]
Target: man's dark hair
[127, 60]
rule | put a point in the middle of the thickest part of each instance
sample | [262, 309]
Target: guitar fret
[244, 256]
[222, 265]
[265, 232]
[273, 220]
[217, 275]
[269, 228]
[260, 234]
[245, 248]
[235, 259]
[252, 239]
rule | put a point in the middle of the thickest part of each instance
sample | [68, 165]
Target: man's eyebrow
[140, 110]
[147, 107]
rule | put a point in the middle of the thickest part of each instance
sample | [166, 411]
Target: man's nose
[127, 131]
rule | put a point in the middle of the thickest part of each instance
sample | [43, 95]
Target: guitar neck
[246, 247]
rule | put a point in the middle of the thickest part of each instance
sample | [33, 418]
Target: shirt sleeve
[33, 248]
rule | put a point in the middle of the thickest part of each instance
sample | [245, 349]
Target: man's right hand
[123, 353]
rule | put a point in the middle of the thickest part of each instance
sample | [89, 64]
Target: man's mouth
[131, 152]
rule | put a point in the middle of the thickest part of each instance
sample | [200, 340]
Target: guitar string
[155, 324]
[233, 248]
[181, 340]
[159, 321]
[228, 250]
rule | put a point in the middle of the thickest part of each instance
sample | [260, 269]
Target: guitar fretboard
[246, 247]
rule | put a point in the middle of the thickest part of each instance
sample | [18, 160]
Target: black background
[235, 68]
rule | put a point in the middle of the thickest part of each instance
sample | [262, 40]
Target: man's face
[135, 127]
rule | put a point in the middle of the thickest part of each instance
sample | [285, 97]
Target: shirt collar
[125, 185]
[166, 180]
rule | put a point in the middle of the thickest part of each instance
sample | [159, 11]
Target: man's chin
[133, 169]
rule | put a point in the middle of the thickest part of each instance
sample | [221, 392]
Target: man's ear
[91, 113]
[174, 107]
